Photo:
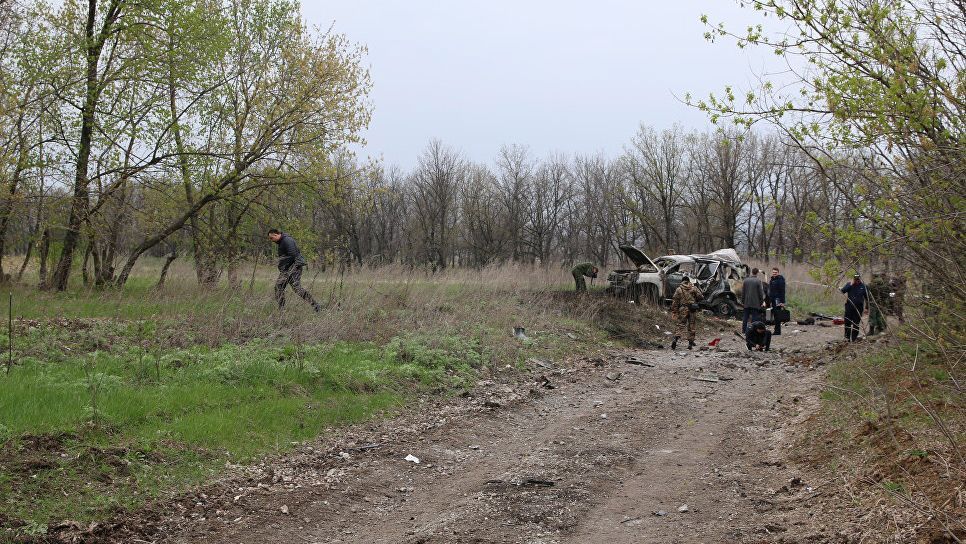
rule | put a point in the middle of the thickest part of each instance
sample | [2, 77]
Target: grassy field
[118, 397]
[891, 431]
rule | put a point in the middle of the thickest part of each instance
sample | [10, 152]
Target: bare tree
[436, 184]
[656, 165]
[552, 191]
[515, 175]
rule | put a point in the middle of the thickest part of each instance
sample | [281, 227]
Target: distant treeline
[189, 127]
[670, 191]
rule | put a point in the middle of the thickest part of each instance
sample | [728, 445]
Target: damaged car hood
[637, 256]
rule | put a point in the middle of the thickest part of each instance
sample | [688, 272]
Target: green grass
[172, 418]
[120, 396]
[804, 301]
[895, 414]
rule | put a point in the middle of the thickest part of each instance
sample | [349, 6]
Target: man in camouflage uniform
[581, 270]
[878, 299]
[898, 288]
[684, 297]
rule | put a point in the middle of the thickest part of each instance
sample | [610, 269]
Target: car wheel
[725, 308]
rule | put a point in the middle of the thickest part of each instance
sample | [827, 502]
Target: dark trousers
[750, 316]
[853, 321]
[752, 340]
[293, 277]
[778, 324]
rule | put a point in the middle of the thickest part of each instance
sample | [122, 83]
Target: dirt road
[603, 450]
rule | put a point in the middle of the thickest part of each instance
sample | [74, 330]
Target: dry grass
[891, 434]
[187, 373]
[805, 294]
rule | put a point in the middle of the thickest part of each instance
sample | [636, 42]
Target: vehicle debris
[520, 333]
[367, 447]
[412, 459]
[638, 362]
[707, 378]
[717, 276]
[683, 508]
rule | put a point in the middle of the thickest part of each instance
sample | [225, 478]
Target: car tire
[725, 308]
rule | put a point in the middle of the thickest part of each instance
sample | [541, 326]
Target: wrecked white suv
[655, 281]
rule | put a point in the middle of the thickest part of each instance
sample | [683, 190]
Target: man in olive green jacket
[581, 270]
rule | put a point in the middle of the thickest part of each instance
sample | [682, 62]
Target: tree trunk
[26, 259]
[6, 211]
[87, 256]
[44, 253]
[81, 200]
[174, 226]
[164, 269]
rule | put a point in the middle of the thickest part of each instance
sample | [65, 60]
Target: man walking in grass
[581, 270]
[290, 265]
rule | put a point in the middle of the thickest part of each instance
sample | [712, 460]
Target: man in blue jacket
[776, 295]
[855, 304]
[290, 265]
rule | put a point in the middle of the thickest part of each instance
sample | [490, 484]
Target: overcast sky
[556, 75]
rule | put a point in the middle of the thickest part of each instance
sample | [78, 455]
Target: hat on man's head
[686, 279]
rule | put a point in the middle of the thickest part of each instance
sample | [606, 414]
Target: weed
[150, 391]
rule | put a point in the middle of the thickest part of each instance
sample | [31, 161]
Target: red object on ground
[714, 343]
[838, 321]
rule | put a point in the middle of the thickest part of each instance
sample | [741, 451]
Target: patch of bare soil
[626, 446]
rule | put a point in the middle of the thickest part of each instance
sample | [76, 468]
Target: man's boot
[690, 344]
[674, 343]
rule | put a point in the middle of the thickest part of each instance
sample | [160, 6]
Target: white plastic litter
[412, 458]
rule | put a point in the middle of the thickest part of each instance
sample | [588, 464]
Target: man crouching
[684, 309]
[758, 338]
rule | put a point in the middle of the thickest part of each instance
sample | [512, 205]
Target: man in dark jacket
[776, 295]
[753, 298]
[855, 303]
[290, 265]
[758, 337]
